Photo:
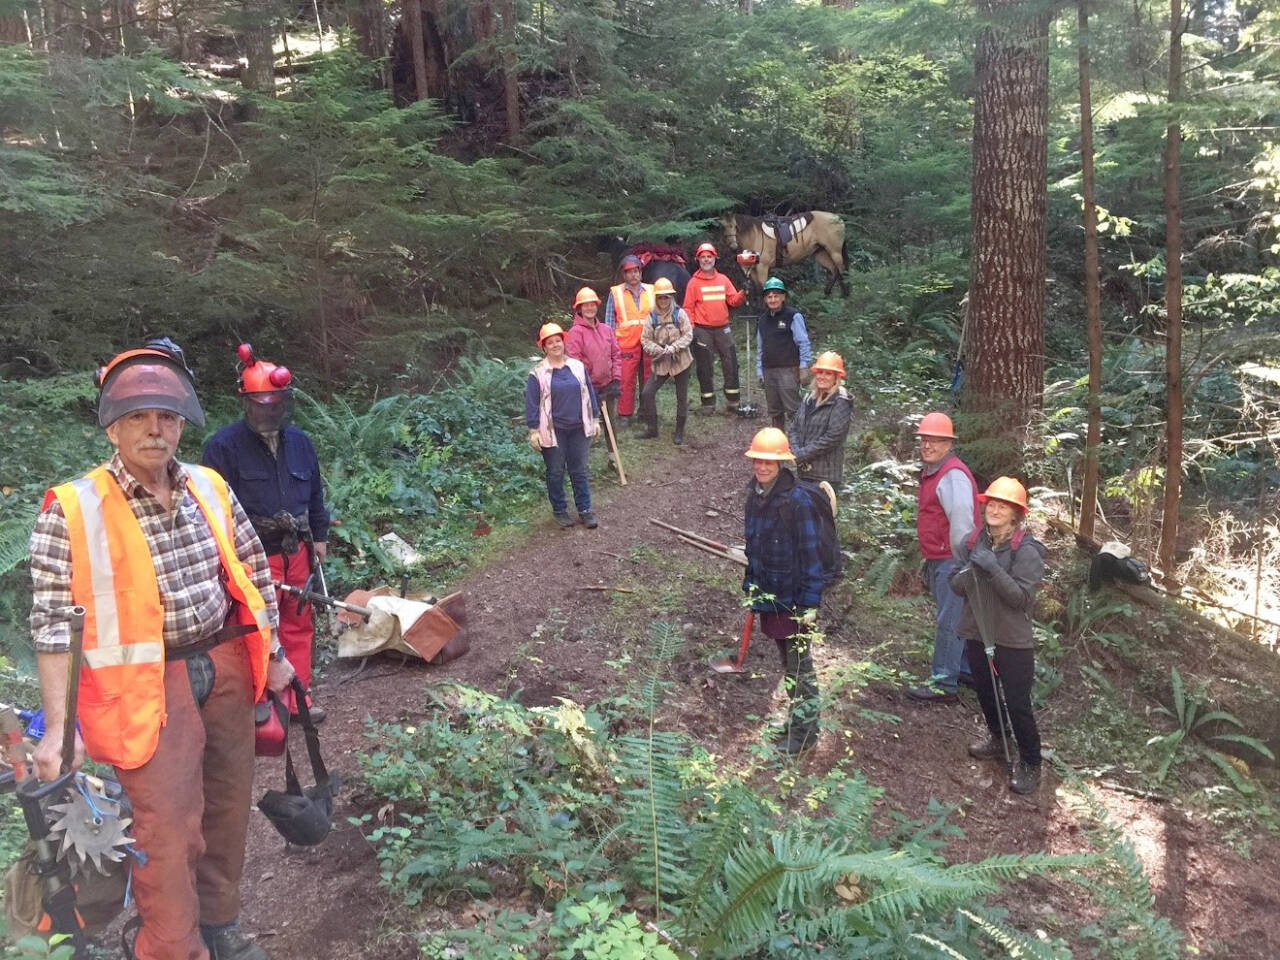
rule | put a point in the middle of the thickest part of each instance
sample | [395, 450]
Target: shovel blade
[725, 665]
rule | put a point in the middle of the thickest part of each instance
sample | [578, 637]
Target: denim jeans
[949, 656]
[571, 451]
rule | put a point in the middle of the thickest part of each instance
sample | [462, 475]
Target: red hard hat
[936, 424]
[1007, 490]
[705, 248]
[260, 376]
[745, 258]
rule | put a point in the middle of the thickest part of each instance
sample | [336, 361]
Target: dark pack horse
[790, 239]
[662, 260]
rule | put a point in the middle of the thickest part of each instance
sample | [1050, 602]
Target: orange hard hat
[830, 361]
[745, 258]
[1008, 490]
[549, 330]
[260, 376]
[585, 295]
[705, 248]
[936, 424]
[662, 287]
[770, 444]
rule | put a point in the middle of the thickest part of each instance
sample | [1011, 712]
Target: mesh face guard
[147, 380]
[267, 411]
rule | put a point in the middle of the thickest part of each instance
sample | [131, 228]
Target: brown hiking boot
[989, 749]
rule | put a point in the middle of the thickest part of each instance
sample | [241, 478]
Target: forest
[1062, 226]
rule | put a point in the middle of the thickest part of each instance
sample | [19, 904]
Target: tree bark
[1007, 270]
[510, 74]
[1172, 303]
[1093, 319]
[369, 24]
[417, 47]
[259, 51]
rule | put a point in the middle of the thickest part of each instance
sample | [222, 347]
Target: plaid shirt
[183, 550]
[782, 547]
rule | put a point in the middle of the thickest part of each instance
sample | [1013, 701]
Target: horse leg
[824, 260]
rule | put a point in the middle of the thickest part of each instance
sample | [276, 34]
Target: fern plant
[1192, 719]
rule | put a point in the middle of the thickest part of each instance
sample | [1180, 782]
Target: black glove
[611, 390]
[984, 559]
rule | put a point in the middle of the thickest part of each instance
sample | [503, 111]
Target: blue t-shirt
[566, 400]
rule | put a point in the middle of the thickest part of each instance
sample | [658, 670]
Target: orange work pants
[297, 630]
[636, 367]
[191, 804]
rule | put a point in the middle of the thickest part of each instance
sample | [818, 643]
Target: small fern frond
[1017, 945]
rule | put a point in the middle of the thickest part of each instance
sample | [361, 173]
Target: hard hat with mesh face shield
[154, 377]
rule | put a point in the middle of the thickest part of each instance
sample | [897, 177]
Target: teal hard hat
[773, 283]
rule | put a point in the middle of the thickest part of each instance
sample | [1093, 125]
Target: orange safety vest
[121, 702]
[628, 319]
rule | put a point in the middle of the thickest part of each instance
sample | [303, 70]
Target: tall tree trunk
[1093, 320]
[1172, 302]
[12, 27]
[510, 74]
[369, 24]
[96, 29]
[257, 43]
[1007, 271]
[417, 47]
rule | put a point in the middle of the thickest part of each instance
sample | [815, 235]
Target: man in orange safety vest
[627, 309]
[178, 643]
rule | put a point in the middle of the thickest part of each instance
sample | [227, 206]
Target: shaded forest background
[295, 175]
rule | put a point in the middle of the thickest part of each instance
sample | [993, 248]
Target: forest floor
[538, 635]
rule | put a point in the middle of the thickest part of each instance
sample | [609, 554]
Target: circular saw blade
[90, 832]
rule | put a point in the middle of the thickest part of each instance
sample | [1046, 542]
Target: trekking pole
[989, 648]
[57, 895]
[613, 442]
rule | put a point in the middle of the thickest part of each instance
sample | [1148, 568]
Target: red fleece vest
[932, 528]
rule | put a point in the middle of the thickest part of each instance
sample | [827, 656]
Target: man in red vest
[707, 300]
[947, 512]
[179, 642]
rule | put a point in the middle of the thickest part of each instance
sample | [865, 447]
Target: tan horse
[814, 233]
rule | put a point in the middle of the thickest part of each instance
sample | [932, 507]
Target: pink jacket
[597, 347]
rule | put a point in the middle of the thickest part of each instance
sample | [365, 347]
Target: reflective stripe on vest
[711, 294]
[121, 700]
[627, 317]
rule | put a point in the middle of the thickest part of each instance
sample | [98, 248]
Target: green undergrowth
[593, 832]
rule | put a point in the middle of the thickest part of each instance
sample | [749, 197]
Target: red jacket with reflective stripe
[707, 299]
[933, 530]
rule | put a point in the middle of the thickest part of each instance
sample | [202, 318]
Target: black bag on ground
[303, 817]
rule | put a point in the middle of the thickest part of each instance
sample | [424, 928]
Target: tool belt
[282, 528]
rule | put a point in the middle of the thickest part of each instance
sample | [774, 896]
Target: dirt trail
[327, 903]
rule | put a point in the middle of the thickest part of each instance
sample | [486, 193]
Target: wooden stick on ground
[613, 442]
[593, 586]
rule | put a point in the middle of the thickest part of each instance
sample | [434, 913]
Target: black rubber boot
[650, 429]
[1025, 778]
[678, 437]
[800, 737]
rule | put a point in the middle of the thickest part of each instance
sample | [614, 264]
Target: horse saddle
[782, 230]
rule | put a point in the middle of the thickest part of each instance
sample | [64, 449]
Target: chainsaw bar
[93, 827]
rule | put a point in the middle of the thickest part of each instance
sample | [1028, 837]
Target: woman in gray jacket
[821, 423]
[665, 338]
[999, 571]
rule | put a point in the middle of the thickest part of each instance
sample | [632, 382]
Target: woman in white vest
[561, 411]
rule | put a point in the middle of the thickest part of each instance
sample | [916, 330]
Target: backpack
[1015, 541]
[829, 554]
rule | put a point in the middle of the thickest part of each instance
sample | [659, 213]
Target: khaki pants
[191, 804]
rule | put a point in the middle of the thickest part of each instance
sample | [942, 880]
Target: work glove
[611, 390]
[535, 441]
[807, 617]
[597, 428]
[984, 559]
[805, 374]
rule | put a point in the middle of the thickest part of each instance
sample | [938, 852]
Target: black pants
[796, 653]
[709, 343]
[649, 396]
[1017, 671]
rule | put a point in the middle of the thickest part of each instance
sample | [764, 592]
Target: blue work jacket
[266, 485]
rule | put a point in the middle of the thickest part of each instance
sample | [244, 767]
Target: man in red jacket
[707, 300]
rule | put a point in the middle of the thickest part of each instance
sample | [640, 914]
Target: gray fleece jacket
[1008, 594]
[817, 435]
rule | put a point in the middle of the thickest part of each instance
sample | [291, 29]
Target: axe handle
[314, 597]
[613, 442]
[73, 688]
[722, 554]
[690, 534]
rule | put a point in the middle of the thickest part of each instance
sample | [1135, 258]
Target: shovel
[724, 664]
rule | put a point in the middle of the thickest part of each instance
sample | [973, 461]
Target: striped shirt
[183, 551]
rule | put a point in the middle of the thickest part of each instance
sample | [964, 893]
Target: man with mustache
[179, 642]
